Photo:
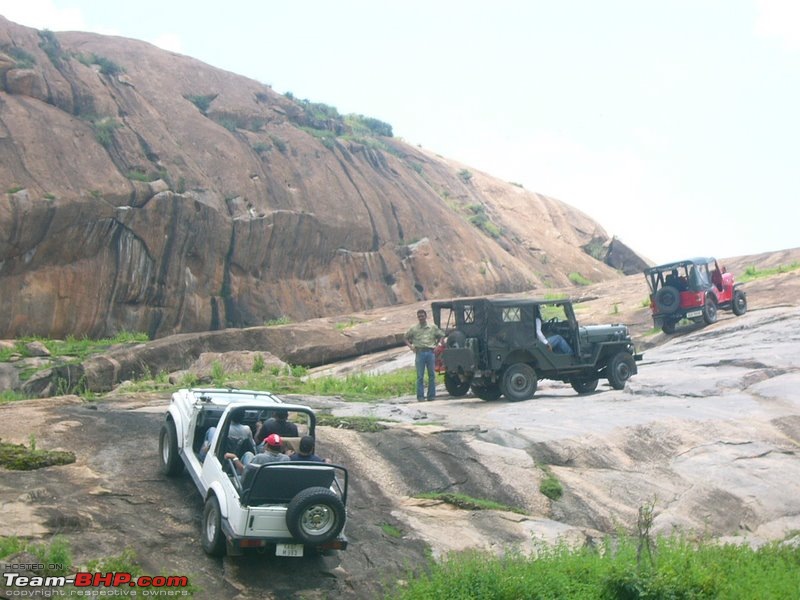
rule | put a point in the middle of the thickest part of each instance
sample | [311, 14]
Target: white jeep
[289, 506]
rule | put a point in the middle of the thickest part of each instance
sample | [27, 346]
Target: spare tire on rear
[668, 299]
[315, 515]
[456, 339]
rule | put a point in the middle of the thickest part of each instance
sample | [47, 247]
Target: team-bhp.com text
[88, 584]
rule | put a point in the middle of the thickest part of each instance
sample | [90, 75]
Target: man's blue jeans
[425, 361]
[559, 344]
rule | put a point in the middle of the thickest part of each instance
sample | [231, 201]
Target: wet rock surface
[708, 431]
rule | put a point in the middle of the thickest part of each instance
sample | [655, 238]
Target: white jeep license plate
[288, 549]
[693, 314]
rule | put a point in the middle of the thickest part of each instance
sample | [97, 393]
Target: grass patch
[361, 386]
[293, 380]
[341, 325]
[467, 502]
[136, 175]
[55, 556]
[7, 396]
[391, 531]
[17, 457]
[125, 562]
[79, 348]
[578, 279]
[751, 272]
[360, 424]
[615, 570]
[276, 322]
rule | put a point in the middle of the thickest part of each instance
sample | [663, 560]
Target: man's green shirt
[424, 336]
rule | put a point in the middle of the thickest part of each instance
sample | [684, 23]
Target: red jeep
[692, 289]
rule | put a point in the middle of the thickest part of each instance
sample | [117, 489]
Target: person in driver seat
[556, 342]
[238, 435]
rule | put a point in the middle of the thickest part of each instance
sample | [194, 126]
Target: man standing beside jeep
[421, 339]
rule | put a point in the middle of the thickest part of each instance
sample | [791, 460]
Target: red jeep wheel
[710, 310]
[739, 303]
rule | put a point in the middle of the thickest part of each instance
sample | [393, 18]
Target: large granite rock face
[147, 191]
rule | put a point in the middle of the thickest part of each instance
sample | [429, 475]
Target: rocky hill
[144, 190]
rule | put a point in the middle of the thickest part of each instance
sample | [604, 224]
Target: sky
[675, 125]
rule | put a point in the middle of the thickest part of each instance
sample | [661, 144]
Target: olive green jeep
[493, 349]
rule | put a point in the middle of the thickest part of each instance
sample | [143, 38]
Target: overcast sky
[674, 124]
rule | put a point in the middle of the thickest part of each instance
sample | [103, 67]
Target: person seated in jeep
[556, 342]
[277, 423]
[306, 451]
[272, 453]
[672, 279]
[239, 435]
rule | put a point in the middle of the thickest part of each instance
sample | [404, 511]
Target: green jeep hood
[594, 334]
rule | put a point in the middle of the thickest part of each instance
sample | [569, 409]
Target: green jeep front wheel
[619, 370]
[519, 382]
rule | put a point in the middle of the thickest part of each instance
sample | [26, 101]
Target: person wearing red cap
[272, 453]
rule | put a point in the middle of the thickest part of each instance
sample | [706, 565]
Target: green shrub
[22, 58]
[107, 66]
[481, 220]
[229, 122]
[361, 125]
[262, 147]
[550, 486]
[320, 111]
[202, 102]
[279, 144]
[465, 175]
[49, 43]
[104, 130]
[596, 250]
[217, 373]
